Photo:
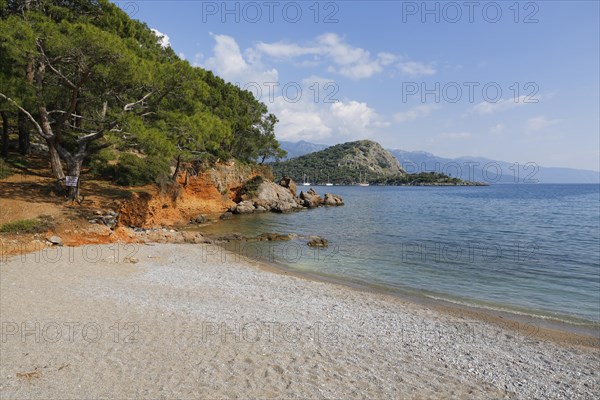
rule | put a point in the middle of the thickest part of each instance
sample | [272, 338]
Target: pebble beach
[158, 321]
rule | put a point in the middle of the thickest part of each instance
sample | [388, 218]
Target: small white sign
[71, 181]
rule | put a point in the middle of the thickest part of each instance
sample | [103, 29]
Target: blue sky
[516, 81]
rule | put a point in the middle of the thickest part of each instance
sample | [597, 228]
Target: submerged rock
[226, 215]
[200, 219]
[317, 241]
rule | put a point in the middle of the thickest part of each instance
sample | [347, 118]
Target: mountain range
[468, 168]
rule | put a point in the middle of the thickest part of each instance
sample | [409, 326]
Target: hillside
[345, 163]
[421, 161]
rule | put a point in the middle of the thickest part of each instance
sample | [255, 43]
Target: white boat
[328, 183]
[363, 183]
[305, 182]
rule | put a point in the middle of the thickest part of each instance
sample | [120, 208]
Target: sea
[528, 249]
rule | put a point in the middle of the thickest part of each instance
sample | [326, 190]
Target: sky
[506, 80]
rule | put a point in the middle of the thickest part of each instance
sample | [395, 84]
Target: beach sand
[170, 321]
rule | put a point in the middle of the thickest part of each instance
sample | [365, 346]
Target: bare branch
[130, 106]
[28, 115]
[56, 71]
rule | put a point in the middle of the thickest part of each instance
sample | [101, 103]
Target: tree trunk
[4, 134]
[57, 169]
[24, 141]
[74, 169]
[174, 177]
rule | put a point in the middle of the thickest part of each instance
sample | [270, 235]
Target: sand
[170, 321]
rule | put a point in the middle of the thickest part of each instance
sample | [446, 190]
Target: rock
[289, 184]
[262, 204]
[193, 237]
[244, 207]
[228, 237]
[226, 215]
[271, 237]
[275, 197]
[55, 240]
[283, 207]
[260, 209]
[317, 241]
[200, 219]
[311, 199]
[332, 200]
[97, 212]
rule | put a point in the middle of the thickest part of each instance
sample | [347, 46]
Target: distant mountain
[344, 163]
[297, 149]
[491, 171]
[469, 168]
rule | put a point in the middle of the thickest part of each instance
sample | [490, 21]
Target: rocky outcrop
[288, 183]
[270, 196]
[332, 200]
[311, 199]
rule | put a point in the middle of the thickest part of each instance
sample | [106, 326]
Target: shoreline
[558, 331]
[207, 327]
[586, 334]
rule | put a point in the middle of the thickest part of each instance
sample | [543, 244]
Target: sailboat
[305, 182]
[363, 183]
[328, 183]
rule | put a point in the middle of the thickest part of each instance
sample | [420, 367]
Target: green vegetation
[418, 179]
[251, 186]
[355, 162]
[344, 164]
[5, 169]
[97, 87]
[27, 226]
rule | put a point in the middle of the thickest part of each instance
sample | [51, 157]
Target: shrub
[27, 226]
[100, 165]
[5, 170]
[251, 186]
[135, 171]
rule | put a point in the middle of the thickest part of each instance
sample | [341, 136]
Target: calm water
[532, 249]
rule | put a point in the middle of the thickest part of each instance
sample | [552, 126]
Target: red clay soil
[28, 195]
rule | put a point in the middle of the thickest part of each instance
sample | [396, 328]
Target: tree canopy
[86, 77]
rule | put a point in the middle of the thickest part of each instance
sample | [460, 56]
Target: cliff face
[344, 163]
[210, 192]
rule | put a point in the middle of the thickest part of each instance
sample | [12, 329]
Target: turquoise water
[532, 249]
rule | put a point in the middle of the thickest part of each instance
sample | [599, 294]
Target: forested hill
[344, 163]
[98, 89]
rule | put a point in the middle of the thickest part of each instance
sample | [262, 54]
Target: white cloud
[343, 58]
[539, 123]
[229, 63]
[318, 121]
[163, 39]
[355, 117]
[415, 69]
[182, 56]
[497, 129]
[487, 107]
[415, 112]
